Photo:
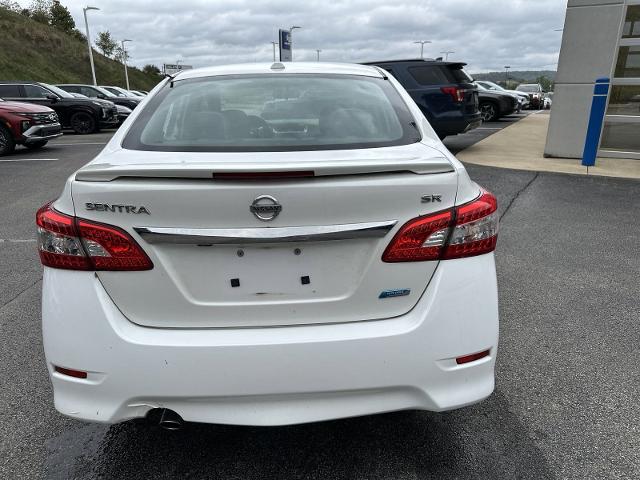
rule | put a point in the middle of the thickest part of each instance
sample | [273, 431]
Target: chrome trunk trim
[241, 236]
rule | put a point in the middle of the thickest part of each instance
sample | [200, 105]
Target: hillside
[34, 51]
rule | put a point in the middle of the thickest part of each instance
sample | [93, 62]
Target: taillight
[420, 239]
[465, 231]
[78, 244]
[456, 93]
[476, 228]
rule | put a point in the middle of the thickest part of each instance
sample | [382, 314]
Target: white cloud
[486, 34]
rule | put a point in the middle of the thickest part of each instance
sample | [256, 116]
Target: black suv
[443, 91]
[92, 91]
[83, 115]
[495, 104]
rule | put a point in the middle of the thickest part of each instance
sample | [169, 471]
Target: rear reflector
[473, 357]
[70, 372]
[78, 244]
[465, 231]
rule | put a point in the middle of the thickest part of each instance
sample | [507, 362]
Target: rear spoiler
[102, 172]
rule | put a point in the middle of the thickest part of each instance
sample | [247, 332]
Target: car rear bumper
[456, 124]
[277, 375]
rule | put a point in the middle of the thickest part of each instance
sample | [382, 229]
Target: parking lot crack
[20, 293]
[518, 193]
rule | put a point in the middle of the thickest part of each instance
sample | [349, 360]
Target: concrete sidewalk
[521, 146]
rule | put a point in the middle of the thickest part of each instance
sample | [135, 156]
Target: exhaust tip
[166, 419]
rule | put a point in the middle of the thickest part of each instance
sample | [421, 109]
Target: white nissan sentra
[270, 244]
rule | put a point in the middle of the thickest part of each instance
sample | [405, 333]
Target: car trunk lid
[318, 260]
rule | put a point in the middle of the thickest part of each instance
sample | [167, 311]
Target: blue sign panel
[596, 118]
[285, 45]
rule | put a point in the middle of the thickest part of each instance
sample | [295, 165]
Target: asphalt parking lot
[568, 376]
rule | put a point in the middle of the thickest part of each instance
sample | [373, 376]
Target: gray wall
[589, 40]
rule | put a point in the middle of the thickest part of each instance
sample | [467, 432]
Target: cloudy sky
[487, 34]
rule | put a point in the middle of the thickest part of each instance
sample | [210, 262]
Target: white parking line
[29, 159]
[17, 240]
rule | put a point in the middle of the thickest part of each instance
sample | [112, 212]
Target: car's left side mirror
[53, 97]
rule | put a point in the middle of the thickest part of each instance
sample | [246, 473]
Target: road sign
[170, 69]
[285, 45]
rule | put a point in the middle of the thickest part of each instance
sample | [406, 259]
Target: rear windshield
[429, 75]
[460, 75]
[276, 112]
[439, 74]
[58, 91]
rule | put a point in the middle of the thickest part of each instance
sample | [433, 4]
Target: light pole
[318, 54]
[274, 50]
[124, 60]
[506, 75]
[291, 39]
[447, 52]
[86, 26]
[422, 42]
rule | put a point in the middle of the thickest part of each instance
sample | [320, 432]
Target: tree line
[56, 15]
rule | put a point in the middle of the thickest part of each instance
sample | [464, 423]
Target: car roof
[420, 61]
[281, 67]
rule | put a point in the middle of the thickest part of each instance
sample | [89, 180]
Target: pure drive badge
[400, 292]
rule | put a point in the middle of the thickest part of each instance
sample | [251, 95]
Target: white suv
[265, 245]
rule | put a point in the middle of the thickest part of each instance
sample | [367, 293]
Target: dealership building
[601, 38]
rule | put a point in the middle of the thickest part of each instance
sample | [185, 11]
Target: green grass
[32, 51]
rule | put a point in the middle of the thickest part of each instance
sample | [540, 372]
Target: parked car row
[32, 113]
[448, 97]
